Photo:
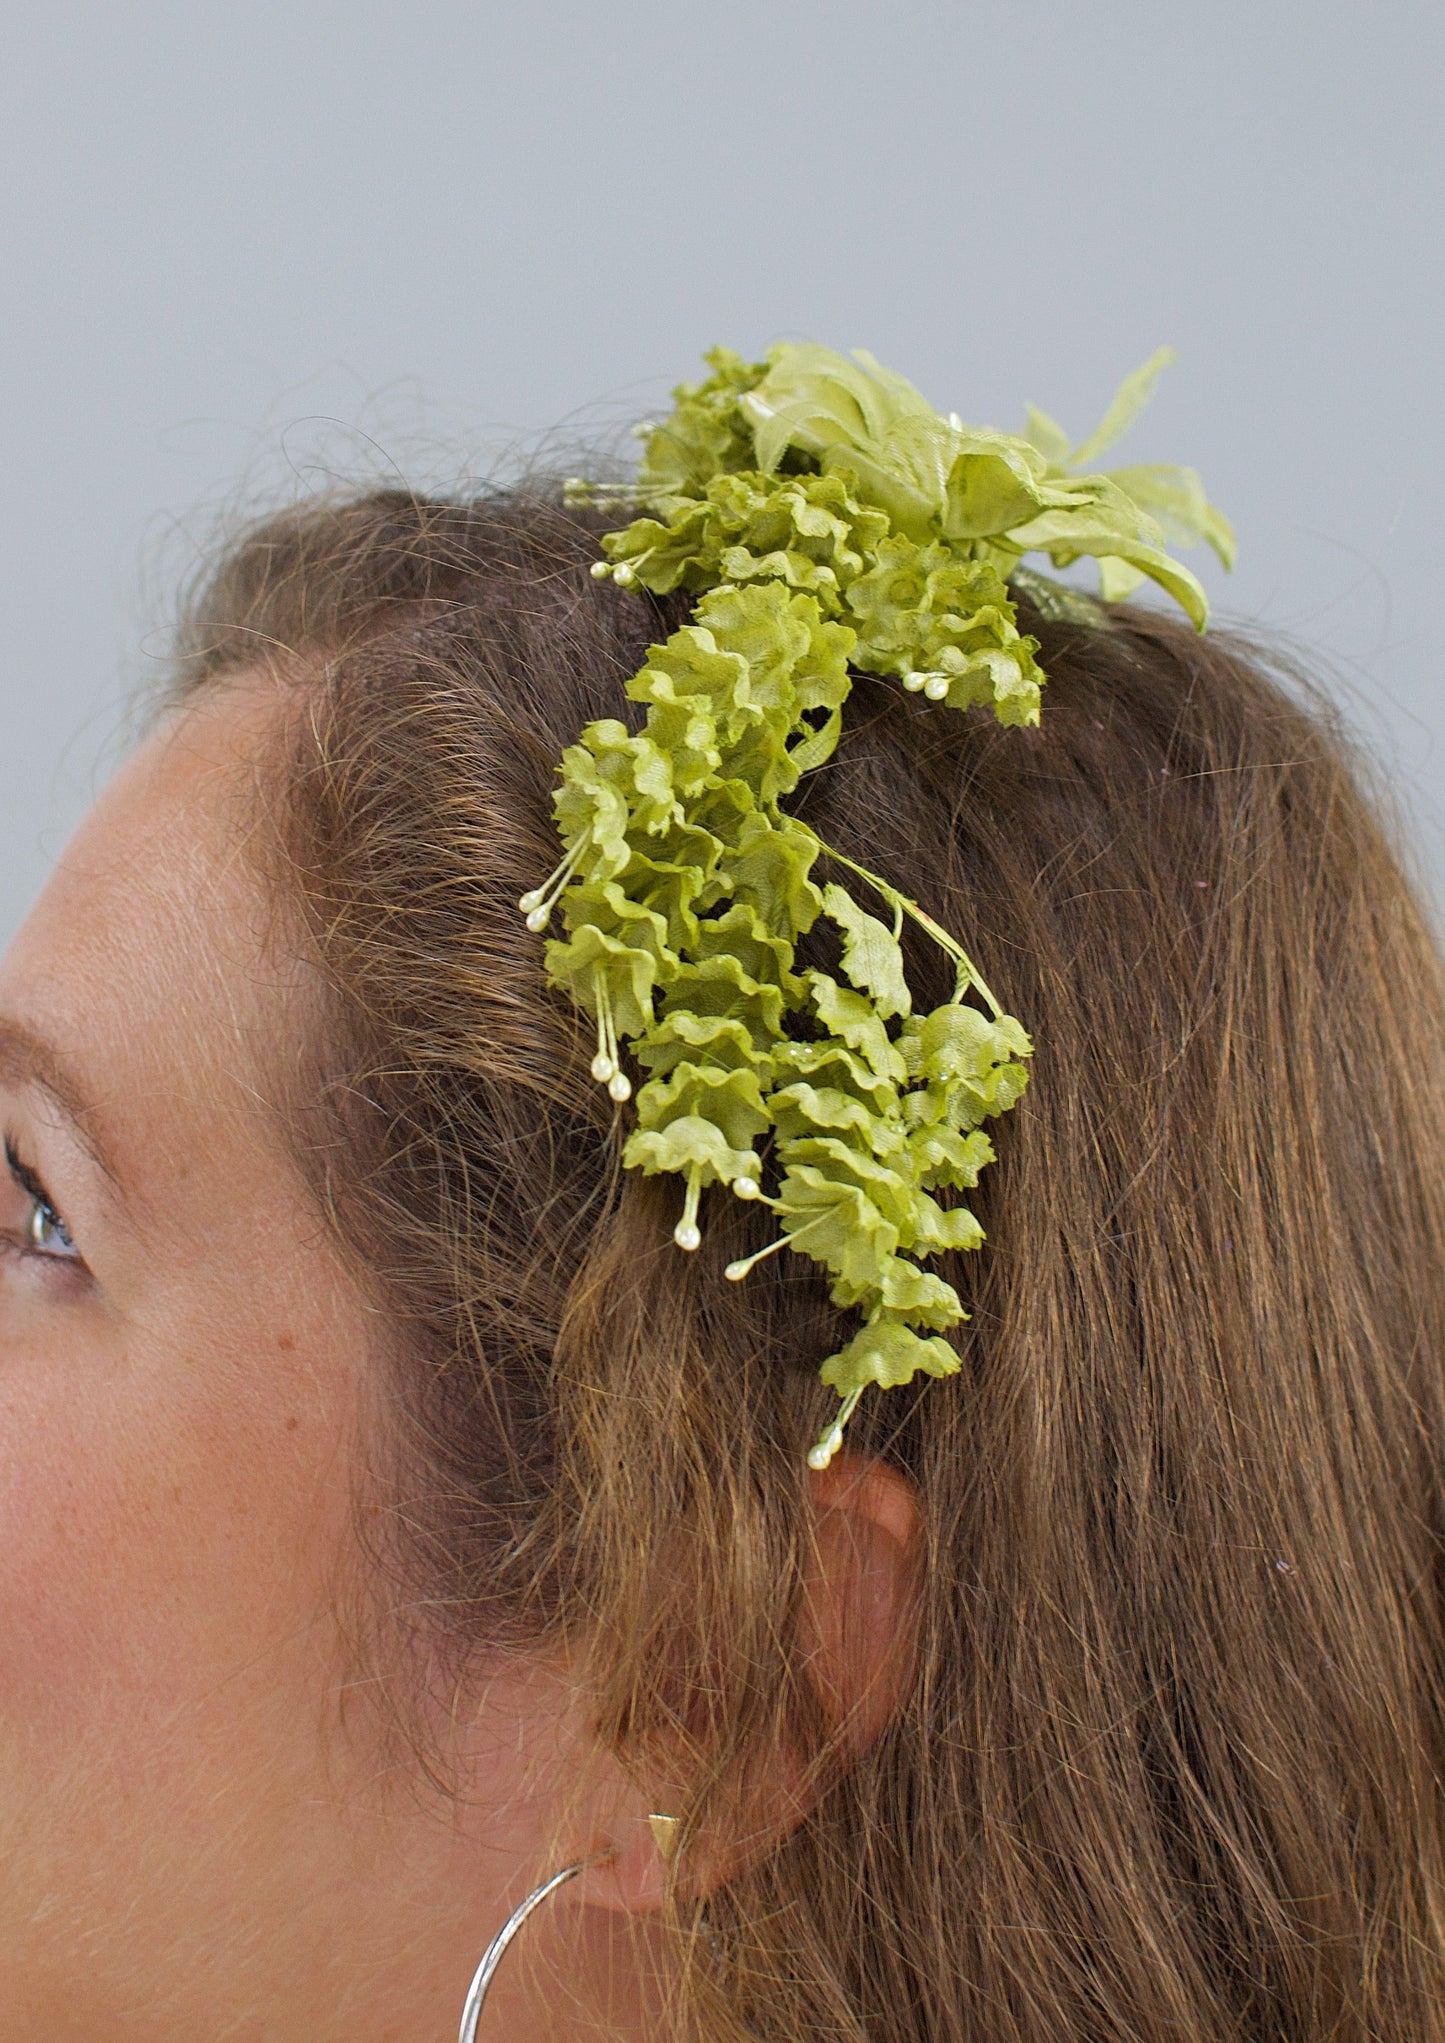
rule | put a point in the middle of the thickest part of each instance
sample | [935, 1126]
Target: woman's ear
[857, 1643]
[858, 1631]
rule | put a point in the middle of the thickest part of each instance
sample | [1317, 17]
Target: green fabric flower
[829, 521]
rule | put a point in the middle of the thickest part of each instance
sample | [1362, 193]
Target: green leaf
[957, 1041]
[1124, 407]
[1117, 579]
[692, 666]
[699, 1038]
[982, 1099]
[769, 628]
[1048, 436]
[888, 1354]
[719, 986]
[872, 957]
[944, 1156]
[706, 433]
[729, 1099]
[668, 890]
[685, 844]
[859, 422]
[993, 484]
[853, 1017]
[629, 976]
[926, 610]
[760, 756]
[770, 871]
[817, 400]
[742, 933]
[663, 555]
[919, 1295]
[845, 1230]
[1175, 497]
[801, 1109]
[686, 732]
[818, 748]
[638, 771]
[1065, 535]
[1010, 680]
[944, 1227]
[803, 531]
[888, 602]
[972, 1066]
[833, 1064]
[721, 808]
[590, 804]
[689, 1144]
[840, 1159]
[605, 905]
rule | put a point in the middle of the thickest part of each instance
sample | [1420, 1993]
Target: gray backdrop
[246, 250]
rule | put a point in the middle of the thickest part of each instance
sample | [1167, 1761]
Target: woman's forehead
[144, 963]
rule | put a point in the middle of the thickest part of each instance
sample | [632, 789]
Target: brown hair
[1170, 1767]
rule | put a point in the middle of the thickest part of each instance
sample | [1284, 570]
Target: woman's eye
[46, 1233]
[42, 1231]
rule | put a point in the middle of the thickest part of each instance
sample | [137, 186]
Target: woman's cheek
[103, 1563]
[161, 1549]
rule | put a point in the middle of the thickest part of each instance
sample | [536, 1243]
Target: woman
[393, 1518]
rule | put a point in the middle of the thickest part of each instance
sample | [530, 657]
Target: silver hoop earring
[496, 1949]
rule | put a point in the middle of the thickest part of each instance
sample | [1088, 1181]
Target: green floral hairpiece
[827, 519]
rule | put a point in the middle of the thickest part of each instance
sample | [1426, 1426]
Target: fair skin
[205, 1831]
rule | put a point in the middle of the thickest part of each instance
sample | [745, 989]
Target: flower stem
[735, 1272]
[537, 905]
[687, 1234]
[968, 973]
[829, 1441]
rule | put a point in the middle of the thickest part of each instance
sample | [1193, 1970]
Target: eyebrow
[28, 1058]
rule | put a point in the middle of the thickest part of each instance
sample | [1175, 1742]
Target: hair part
[1170, 1765]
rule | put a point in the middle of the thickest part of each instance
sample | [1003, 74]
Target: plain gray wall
[249, 249]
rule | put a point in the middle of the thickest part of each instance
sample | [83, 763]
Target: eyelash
[43, 1210]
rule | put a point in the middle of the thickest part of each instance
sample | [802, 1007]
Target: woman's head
[394, 1506]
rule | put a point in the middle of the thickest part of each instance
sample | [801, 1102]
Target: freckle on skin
[286, 1342]
[292, 1423]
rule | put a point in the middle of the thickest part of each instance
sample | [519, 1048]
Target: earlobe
[629, 1872]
